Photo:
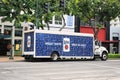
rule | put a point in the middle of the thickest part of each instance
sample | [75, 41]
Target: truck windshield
[97, 43]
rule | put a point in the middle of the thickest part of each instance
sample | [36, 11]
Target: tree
[33, 10]
[23, 11]
[89, 9]
[29, 11]
[99, 10]
[17, 10]
[104, 11]
[51, 11]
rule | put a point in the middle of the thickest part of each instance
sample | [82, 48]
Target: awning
[4, 36]
[113, 41]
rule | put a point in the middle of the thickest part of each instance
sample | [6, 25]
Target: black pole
[77, 24]
[107, 25]
[11, 54]
[37, 14]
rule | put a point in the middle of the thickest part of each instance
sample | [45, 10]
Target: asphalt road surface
[61, 70]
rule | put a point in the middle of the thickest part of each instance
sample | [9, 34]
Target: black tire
[94, 58]
[54, 56]
[104, 56]
[26, 58]
[29, 58]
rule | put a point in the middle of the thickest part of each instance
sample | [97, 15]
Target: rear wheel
[29, 58]
[94, 58]
[104, 56]
[54, 56]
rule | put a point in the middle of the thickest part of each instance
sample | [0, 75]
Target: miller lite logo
[28, 41]
[66, 44]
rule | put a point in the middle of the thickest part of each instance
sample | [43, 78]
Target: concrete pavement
[61, 70]
[6, 59]
[20, 58]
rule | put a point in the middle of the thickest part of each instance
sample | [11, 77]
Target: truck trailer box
[57, 44]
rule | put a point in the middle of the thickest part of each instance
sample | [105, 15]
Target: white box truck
[61, 45]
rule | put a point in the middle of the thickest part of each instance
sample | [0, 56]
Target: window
[58, 20]
[115, 36]
[7, 27]
[18, 33]
[115, 25]
[115, 20]
[26, 28]
[0, 29]
[50, 22]
[7, 32]
[17, 45]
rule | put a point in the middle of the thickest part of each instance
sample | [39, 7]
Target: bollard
[11, 55]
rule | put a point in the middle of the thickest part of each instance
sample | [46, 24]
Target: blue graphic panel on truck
[66, 45]
[29, 41]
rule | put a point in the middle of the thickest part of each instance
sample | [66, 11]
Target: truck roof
[60, 32]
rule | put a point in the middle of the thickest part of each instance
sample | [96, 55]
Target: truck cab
[100, 51]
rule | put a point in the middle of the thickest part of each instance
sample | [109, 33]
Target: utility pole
[37, 14]
[11, 57]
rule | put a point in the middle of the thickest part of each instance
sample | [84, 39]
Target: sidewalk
[6, 59]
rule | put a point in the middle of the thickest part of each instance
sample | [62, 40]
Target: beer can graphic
[28, 41]
[66, 44]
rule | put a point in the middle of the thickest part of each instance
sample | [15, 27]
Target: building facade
[56, 23]
[115, 35]
[16, 34]
[14, 38]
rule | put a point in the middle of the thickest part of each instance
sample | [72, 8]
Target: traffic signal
[62, 3]
[46, 6]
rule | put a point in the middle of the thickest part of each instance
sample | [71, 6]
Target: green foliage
[24, 10]
[98, 10]
[101, 9]
[18, 10]
[114, 55]
[99, 25]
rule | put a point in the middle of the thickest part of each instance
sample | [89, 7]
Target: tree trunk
[64, 24]
[42, 27]
[96, 33]
[48, 26]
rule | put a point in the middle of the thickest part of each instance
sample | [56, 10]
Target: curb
[7, 59]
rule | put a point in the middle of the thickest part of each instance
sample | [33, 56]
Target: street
[60, 70]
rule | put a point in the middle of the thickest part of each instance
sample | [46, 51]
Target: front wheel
[104, 56]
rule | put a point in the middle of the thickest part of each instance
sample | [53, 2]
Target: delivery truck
[57, 45]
